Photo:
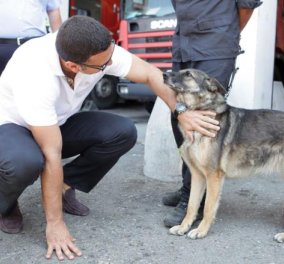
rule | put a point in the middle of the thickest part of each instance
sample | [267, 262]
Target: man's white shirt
[34, 90]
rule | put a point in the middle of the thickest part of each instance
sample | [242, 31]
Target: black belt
[17, 41]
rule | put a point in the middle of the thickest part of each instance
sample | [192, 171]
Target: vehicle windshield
[140, 8]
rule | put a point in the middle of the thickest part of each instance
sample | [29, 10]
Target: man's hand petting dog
[200, 121]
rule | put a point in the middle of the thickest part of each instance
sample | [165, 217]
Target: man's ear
[215, 86]
[71, 66]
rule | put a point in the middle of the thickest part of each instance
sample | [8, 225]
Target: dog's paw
[179, 230]
[279, 237]
[196, 233]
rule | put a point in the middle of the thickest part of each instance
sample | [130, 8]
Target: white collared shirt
[34, 90]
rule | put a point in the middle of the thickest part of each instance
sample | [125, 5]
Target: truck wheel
[104, 93]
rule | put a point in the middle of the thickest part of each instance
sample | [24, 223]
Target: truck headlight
[123, 90]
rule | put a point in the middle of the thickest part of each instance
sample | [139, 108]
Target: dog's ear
[215, 86]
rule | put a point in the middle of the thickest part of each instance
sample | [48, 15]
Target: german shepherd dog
[248, 142]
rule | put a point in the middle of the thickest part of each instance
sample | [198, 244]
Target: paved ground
[125, 224]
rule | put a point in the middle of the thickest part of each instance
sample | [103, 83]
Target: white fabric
[34, 90]
[25, 18]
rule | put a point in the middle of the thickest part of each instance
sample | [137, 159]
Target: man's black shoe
[72, 206]
[12, 221]
[172, 198]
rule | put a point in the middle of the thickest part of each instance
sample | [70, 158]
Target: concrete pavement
[125, 225]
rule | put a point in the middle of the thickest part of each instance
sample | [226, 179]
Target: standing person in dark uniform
[24, 20]
[206, 38]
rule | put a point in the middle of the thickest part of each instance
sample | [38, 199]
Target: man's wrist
[54, 221]
[54, 217]
[179, 109]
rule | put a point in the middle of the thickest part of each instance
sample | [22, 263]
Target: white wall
[64, 9]
[252, 87]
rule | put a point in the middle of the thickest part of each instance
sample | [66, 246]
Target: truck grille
[154, 49]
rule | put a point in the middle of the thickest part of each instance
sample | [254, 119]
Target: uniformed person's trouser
[219, 69]
[7, 49]
[6, 52]
[99, 139]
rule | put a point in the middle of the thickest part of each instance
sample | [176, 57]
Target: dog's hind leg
[213, 192]
[198, 185]
[279, 237]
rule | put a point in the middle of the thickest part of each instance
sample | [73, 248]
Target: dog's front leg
[214, 187]
[197, 190]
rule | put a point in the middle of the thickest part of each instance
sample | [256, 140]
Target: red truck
[145, 28]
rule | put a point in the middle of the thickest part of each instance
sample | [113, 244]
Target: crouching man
[41, 92]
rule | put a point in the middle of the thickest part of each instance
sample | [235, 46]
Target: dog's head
[196, 89]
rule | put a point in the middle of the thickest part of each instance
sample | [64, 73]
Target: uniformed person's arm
[244, 16]
[246, 8]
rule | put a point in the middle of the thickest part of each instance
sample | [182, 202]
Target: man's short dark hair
[81, 37]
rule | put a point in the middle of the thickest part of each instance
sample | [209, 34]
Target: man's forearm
[143, 72]
[52, 184]
[156, 82]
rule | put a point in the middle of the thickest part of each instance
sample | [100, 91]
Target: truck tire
[104, 93]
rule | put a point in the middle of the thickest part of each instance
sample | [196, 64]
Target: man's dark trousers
[99, 139]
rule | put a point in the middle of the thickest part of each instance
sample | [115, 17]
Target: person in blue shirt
[24, 20]
[206, 38]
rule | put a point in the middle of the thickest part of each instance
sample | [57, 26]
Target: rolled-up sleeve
[249, 3]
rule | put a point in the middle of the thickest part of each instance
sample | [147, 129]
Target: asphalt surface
[125, 224]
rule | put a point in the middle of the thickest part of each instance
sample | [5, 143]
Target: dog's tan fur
[249, 142]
